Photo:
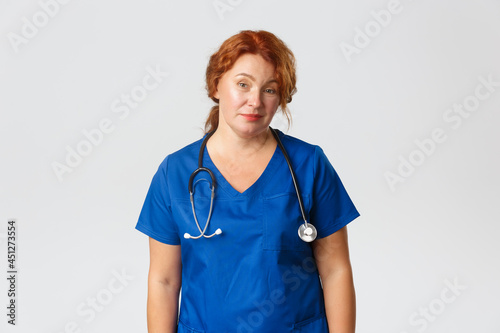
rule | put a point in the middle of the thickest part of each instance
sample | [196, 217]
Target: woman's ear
[216, 92]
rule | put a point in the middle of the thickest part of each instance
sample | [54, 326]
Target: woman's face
[248, 96]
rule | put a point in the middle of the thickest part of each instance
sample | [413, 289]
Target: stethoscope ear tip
[187, 236]
[218, 231]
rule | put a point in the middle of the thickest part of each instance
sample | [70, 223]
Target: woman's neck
[229, 144]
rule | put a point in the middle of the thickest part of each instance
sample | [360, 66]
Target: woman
[246, 269]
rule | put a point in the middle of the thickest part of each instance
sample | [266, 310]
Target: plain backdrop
[376, 80]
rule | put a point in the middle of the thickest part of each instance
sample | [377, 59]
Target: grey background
[437, 228]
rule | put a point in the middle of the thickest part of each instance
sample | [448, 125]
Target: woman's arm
[164, 283]
[334, 267]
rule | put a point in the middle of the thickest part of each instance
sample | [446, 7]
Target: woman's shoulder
[297, 144]
[183, 156]
[300, 151]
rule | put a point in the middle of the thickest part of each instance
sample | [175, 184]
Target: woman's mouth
[251, 117]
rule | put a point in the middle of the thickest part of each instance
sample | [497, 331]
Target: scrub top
[258, 275]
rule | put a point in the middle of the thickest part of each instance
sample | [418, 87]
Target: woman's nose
[255, 99]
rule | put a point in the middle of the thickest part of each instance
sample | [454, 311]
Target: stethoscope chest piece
[307, 233]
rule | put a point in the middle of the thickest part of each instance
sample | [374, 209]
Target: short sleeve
[156, 219]
[332, 208]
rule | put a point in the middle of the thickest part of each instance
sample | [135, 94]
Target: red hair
[262, 43]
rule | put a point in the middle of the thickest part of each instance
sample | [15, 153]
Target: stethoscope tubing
[307, 232]
[201, 168]
[292, 172]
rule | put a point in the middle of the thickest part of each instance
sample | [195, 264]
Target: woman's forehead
[254, 67]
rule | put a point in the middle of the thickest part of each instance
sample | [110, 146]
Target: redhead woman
[248, 224]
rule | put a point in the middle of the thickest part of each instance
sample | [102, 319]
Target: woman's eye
[270, 91]
[243, 85]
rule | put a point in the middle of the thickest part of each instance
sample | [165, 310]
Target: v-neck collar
[223, 184]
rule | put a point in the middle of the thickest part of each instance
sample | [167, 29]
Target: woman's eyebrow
[251, 77]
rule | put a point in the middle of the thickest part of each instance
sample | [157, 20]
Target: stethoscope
[307, 232]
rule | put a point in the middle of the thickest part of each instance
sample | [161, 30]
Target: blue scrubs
[258, 275]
